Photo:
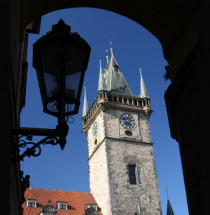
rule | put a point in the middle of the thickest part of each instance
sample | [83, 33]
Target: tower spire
[143, 90]
[101, 83]
[85, 104]
[112, 123]
[115, 80]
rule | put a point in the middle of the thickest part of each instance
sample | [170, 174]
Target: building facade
[63, 202]
[122, 172]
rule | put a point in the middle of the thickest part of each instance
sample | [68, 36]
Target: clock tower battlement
[115, 100]
[122, 172]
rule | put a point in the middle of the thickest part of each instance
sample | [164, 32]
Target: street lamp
[60, 59]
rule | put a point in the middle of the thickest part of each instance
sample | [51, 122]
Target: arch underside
[174, 24]
[164, 19]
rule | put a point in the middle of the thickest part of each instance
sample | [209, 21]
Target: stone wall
[99, 179]
[124, 196]
[98, 167]
[109, 157]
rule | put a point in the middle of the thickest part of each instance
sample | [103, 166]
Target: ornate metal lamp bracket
[52, 137]
[35, 149]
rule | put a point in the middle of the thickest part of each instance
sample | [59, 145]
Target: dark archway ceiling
[165, 19]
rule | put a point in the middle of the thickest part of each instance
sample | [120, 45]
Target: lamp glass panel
[72, 84]
[51, 64]
[74, 65]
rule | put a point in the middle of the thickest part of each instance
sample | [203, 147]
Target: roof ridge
[30, 188]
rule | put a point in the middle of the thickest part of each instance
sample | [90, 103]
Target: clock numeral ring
[127, 121]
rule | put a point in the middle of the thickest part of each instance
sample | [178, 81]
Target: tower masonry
[122, 172]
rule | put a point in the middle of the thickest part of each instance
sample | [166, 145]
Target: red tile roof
[76, 201]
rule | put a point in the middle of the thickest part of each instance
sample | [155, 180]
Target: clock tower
[122, 172]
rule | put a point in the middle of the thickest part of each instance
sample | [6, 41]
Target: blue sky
[134, 47]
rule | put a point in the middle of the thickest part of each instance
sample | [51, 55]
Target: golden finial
[111, 51]
[107, 57]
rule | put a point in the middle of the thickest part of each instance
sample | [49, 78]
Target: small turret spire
[101, 83]
[107, 59]
[85, 104]
[169, 207]
[143, 90]
[111, 49]
[167, 192]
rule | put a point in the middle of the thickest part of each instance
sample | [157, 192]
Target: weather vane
[111, 49]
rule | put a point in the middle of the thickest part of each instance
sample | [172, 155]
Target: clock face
[95, 129]
[127, 121]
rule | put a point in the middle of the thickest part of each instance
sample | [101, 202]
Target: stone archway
[174, 23]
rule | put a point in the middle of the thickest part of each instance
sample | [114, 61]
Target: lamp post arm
[35, 150]
[35, 131]
[52, 137]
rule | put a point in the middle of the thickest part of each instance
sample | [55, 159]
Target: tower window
[132, 173]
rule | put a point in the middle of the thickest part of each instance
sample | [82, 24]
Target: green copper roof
[114, 79]
[143, 90]
[101, 81]
[85, 104]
